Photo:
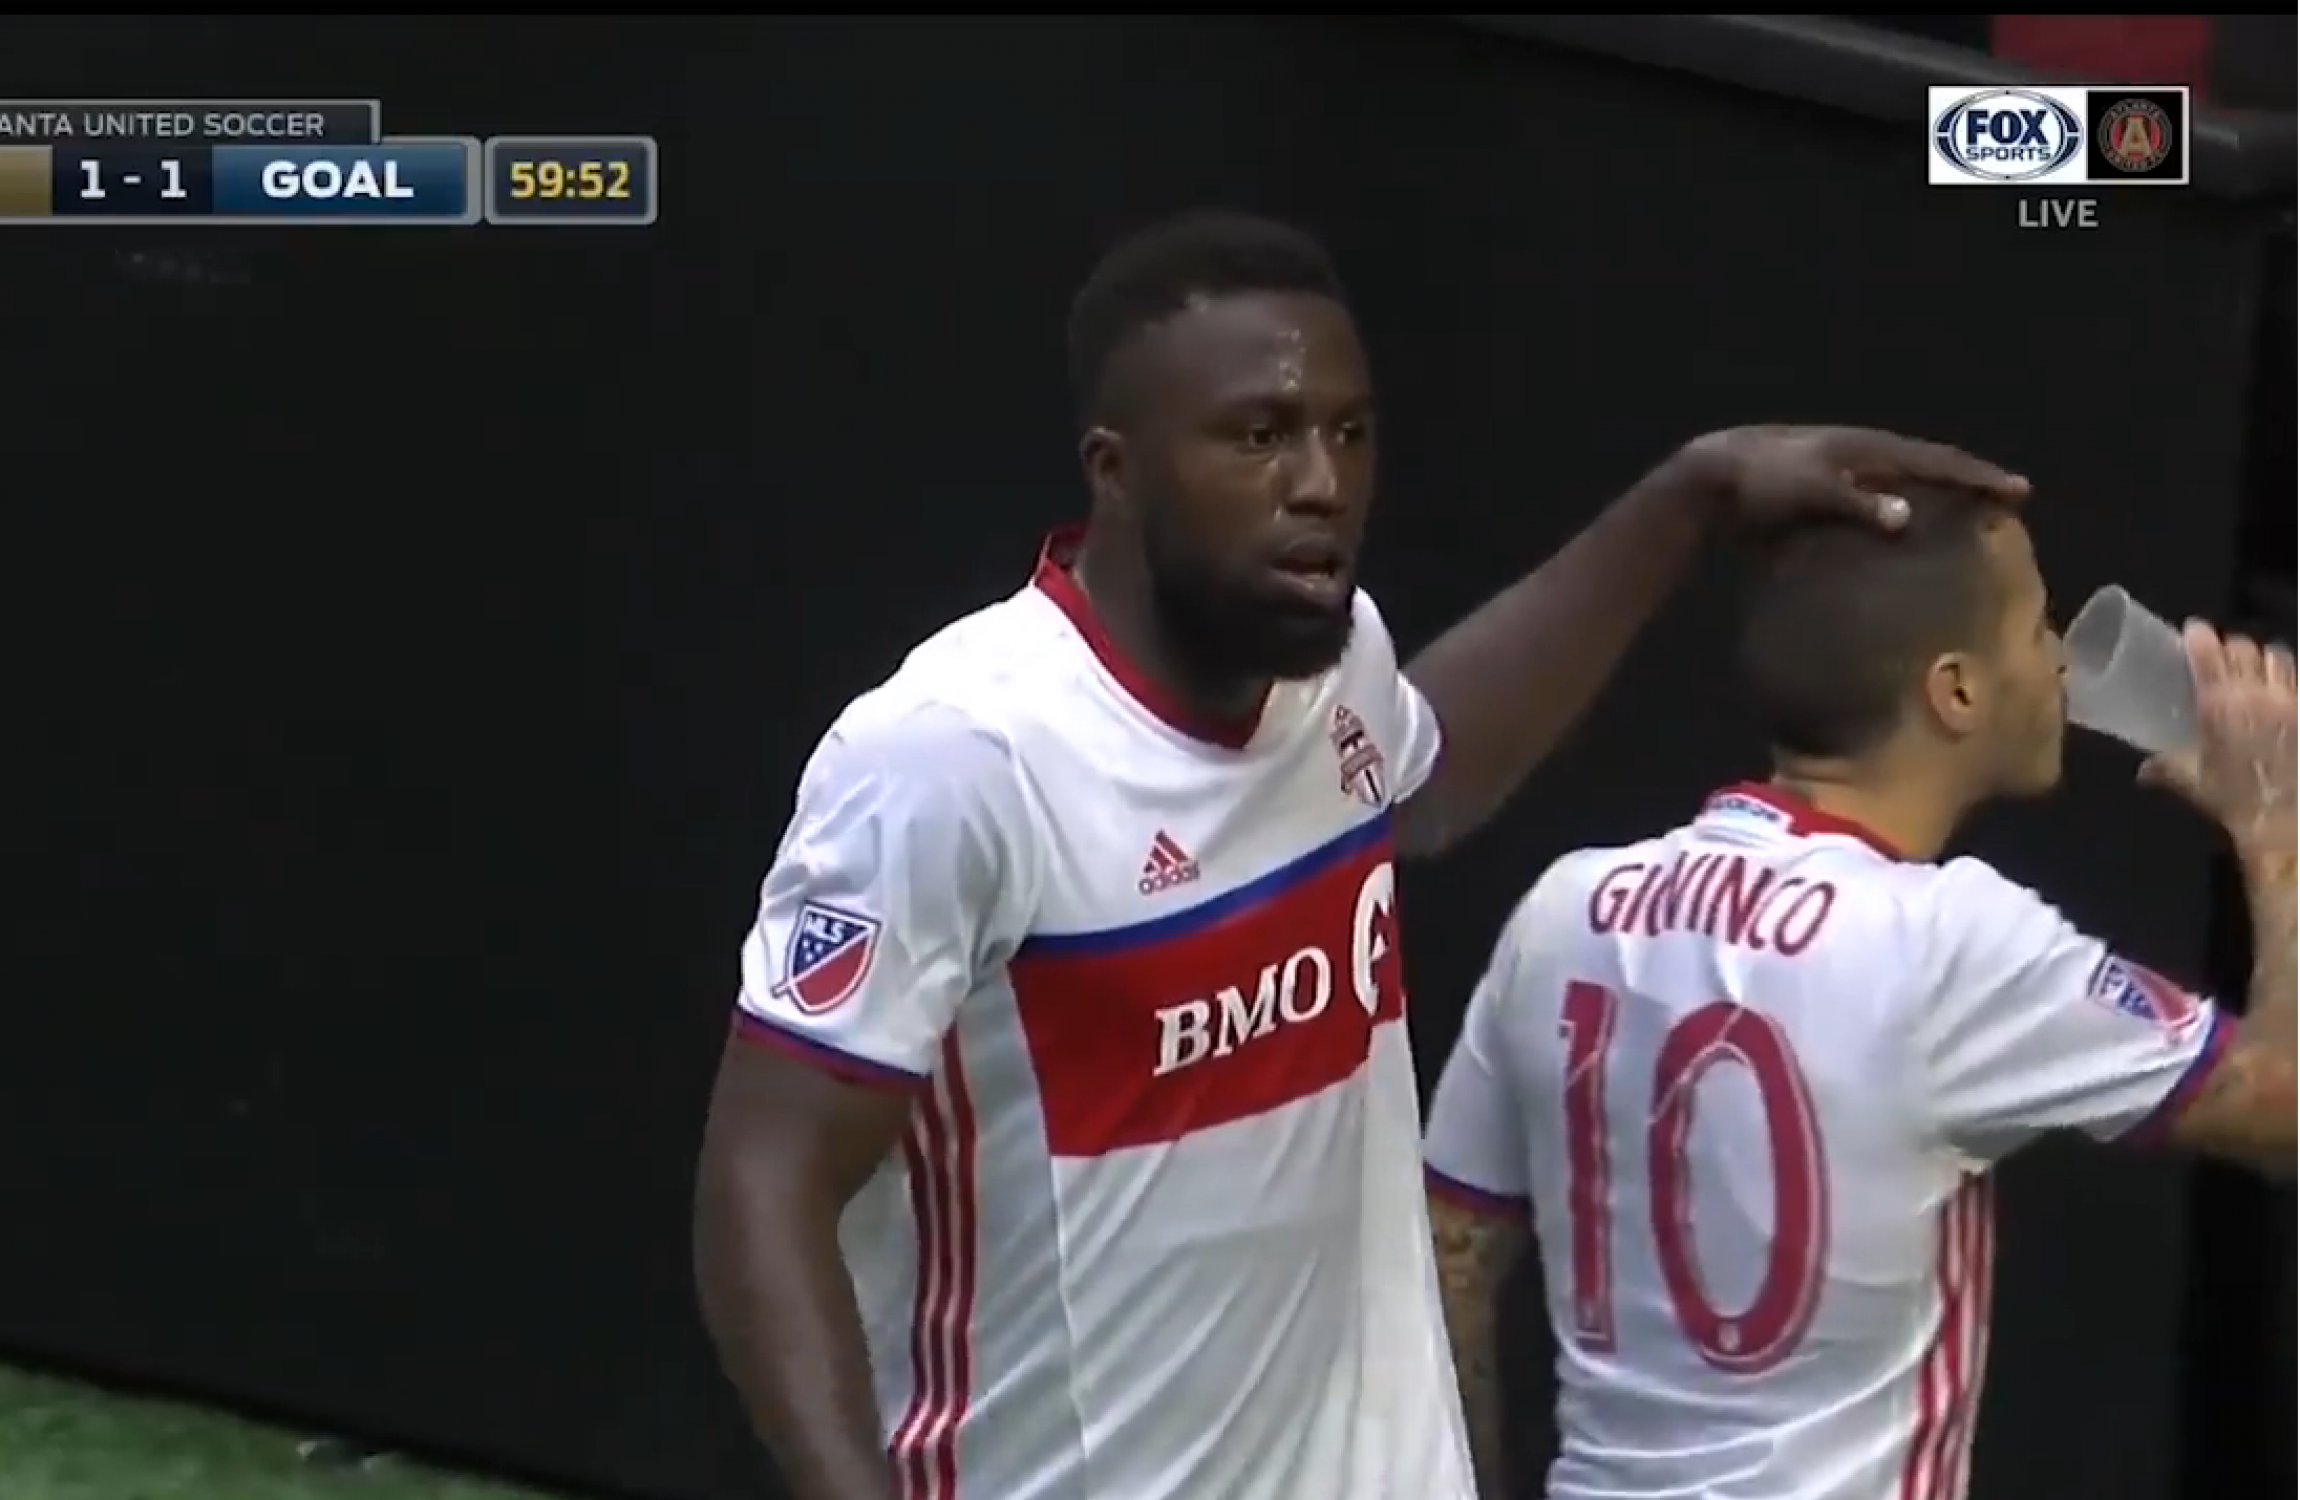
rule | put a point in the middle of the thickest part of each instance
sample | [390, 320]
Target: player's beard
[1222, 629]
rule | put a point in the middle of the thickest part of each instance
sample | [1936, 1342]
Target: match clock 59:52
[550, 179]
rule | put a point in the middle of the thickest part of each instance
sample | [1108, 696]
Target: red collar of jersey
[1802, 817]
[1053, 579]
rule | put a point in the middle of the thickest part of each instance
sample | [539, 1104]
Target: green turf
[60, 1441]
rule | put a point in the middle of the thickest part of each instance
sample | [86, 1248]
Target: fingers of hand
[1863, 502]
[1858, 469]
[1934, 463]
[2244, 693]
[2245, 666]
[2236, 663]
[2169, 772]
[2207, 655]
[2283, 673]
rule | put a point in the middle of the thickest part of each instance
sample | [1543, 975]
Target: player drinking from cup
[1749, 1076]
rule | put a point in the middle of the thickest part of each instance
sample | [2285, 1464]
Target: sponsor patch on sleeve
[2140, 992]
[827, 958]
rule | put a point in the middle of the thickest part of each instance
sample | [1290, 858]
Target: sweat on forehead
[1244, 347]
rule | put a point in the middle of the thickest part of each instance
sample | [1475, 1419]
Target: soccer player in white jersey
[1067, 1145]
[1749, 1077]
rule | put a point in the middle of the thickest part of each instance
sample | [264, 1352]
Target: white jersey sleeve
[1413, 726]
[1474, 1149]
[906, 875]
[2025, 1024]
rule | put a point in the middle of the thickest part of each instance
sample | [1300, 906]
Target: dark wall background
[425, 627]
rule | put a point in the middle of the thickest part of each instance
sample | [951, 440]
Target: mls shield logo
[2141, 993]
[1364, 773]
[829, 954]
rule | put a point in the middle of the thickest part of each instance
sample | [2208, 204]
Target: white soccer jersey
[1156, 1232]
[1749, 1077]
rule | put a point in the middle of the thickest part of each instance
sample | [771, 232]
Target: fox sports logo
[2008, 135]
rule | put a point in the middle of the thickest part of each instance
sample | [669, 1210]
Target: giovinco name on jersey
[1717, 895]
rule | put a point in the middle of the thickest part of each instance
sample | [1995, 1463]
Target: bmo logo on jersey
[1289, 993]
[1245, 1004]
[1284, 994]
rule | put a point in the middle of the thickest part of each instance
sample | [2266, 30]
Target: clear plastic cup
[2128, 675]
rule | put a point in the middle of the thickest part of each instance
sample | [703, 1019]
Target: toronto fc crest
[1364, 774]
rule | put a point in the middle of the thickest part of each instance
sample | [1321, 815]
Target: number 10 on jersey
[1794, 1253]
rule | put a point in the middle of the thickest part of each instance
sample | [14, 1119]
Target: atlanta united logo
[1364, 773]
[2135, 135]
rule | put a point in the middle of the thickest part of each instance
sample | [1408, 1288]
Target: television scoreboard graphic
[302, 161]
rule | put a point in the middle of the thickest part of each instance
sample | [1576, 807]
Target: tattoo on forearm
[2246, 1107]
[1474, 1252]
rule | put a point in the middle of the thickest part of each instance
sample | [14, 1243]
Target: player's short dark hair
[1842, 618]
[1152, 274]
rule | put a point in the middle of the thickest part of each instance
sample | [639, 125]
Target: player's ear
[1102, 454]
[1952, 692]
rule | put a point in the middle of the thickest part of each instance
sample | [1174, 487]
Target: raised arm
[1511, 680]
[2242, 775]
[2031, 1025]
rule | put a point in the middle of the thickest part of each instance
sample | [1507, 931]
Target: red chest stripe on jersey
[1264, 995]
